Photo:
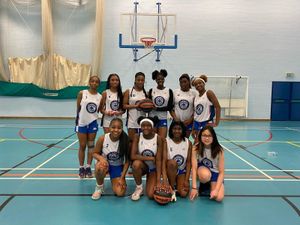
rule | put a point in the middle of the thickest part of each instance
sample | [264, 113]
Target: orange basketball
[146, 105]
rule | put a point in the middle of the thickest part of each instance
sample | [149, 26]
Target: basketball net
[148, 41]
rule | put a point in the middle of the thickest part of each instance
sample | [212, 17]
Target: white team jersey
[178, 152]
[184, 104]
[208, 161]
[134, 114]
[160, 99]
[110, 151]
[148, 147]
[202, 108]
[89, 106]
[111, 104]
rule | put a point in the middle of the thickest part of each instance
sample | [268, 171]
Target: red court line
[20, 133]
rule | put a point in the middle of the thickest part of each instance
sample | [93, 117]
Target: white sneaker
[137, 194]
[99, 190]
[174, 198]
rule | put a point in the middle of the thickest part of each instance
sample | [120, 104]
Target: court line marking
[131, 178]
[37, 139]
[250, 164]
[292, 143]
[49, 159]
[76, 169]
[2, 140]
[293, 129]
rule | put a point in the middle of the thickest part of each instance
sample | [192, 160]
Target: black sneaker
[204, 189]
[88, 172]
[81, 173]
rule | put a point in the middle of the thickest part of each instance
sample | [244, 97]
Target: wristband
[195, 189]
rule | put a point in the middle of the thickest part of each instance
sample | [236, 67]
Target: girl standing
[132, 97]
[206, 107]
[111, 103]
[162, 98]
[88, 102]
[184, 103]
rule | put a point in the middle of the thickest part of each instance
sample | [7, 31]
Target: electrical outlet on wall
[290, 75]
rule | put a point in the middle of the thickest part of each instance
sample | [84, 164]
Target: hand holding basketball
[146, 105]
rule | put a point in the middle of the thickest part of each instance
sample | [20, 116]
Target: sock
[140, 186]
[87, 166]
[99, 185]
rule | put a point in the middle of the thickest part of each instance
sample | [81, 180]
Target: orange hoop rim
[148, 41]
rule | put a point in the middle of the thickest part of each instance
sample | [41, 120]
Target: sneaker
[137, 194]
[99, 190]
[81, 173]
[174, 198]
[88, 172]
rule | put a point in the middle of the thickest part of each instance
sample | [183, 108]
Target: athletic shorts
[115, 171]
[199, 125]
[214, 175]
[162, 123]
[90, 128]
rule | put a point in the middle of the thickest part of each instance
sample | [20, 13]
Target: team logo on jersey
[114, 105]
[208, 163]
[91, 107]
[179, 159]
[159, 101]
[147, 152]
[199, 109]
[113, 156]
[183, 104]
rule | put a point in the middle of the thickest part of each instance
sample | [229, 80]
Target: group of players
[165, 159]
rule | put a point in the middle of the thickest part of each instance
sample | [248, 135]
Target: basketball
[162, 194]
[146, 105]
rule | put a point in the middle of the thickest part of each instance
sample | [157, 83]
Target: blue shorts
[214, 175]
[189, 127]
[199, 125]
[115, 171]
[162, 123]
[90, 128]
[180, 172]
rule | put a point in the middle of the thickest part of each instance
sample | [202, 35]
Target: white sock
[87, 166]
[140, 186]
[99, 185]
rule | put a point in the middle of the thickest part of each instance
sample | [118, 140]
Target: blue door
[280, 108]
[295, 101]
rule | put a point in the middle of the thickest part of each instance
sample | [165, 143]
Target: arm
[126, 104]
[102, 103]
[78, 107]
[164, 162]
[134, 151]
[98, 149]
[212, 97]
[194, 191]
[158, 158]
[214, 193]
[188, 163]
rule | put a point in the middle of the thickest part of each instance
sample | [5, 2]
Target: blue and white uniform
[184, 105]
[110, 152]
[148, 147]
[179, 153]
[209, 162]
[88, 114]
[160, 99]
[134, 114]
[112, 103]
[204, 111]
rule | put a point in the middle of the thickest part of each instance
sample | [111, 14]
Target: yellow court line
[291, 143]
[2, 140]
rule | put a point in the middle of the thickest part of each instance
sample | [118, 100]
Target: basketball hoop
[148, 41]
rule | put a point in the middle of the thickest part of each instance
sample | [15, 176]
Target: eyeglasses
[206, 136]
